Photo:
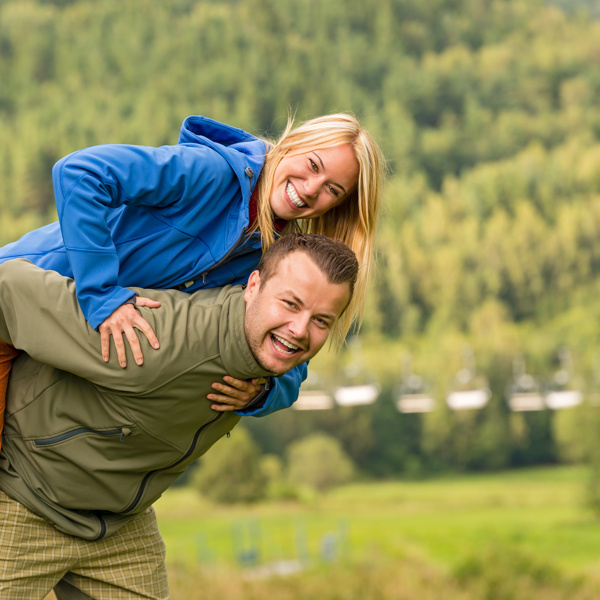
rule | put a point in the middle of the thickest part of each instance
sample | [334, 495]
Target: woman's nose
[312, 186]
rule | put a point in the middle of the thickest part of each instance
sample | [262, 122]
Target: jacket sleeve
[89, 185]
[40, 315]
[282, 393]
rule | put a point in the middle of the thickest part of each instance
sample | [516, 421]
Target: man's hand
[121, 323]
[236, 394]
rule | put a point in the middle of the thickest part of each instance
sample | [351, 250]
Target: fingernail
[156, 345]
[123, 364]
[139, 361]
[210, 396]
[105, 358]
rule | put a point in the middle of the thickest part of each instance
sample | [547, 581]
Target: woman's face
[306, 186]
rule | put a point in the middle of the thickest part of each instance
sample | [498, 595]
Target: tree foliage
[486, 111]
[318, 461]
[233, 472]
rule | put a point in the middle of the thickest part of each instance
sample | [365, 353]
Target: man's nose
[298, 326]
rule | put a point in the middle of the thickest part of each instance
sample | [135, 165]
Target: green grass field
[520, 535]
[445, 522]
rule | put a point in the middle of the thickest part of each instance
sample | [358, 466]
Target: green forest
[487, 112]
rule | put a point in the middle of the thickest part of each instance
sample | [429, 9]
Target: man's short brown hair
[335, 259]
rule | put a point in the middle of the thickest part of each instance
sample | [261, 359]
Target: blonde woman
[199, 214]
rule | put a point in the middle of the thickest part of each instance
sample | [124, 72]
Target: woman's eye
[334, 191]
[313, 165]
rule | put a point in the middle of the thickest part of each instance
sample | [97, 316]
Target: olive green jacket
[88, 445]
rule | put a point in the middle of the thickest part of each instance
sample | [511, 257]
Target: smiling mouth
[283, 346]
[293, 196]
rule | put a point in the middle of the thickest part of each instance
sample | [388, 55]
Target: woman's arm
[258, 397]
[91, 183]
[282, 394]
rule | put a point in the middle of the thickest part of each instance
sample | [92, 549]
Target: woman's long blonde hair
[354, 220]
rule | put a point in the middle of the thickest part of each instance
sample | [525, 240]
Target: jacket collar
[238, 360]
[244, 152]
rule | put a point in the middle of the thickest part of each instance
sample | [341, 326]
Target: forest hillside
[488, 114]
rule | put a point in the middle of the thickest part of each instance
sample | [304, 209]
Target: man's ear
[253, 286]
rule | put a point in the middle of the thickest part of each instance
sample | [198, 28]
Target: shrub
[319, 462]
[231, 472]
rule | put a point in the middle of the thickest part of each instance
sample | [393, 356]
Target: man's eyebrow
[295, 298]
[333, 182]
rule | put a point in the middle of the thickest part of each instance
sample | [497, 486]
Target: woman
[199, 214]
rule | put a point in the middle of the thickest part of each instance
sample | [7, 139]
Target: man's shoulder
[206, 298]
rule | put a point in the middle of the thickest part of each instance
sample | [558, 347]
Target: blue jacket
[167, 217]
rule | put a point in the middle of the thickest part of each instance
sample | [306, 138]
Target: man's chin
[277, 367]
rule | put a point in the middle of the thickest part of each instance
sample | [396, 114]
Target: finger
[239, 384]
[141, 301]
[231, 392]
[105, 344]
[135, 345]
[120, 347]
[250, 388]
[224, 399]
[146, 329]
[222, 407]
[237, 403]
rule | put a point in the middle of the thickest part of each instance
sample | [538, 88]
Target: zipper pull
[125, 431]
[229, 434]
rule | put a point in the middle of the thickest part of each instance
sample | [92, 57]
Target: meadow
[518, 534]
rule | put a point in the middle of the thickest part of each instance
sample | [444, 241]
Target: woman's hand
[236, 394]
[122, 321]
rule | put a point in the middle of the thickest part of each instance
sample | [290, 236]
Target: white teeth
[286, 344]
[291, 192]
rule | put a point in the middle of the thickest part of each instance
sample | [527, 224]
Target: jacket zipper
[247, 250]
[220, 262]
[102, 528]
[144, 483]
[224, 259]
[123, 431]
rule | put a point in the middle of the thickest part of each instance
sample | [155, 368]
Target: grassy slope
[537, 511]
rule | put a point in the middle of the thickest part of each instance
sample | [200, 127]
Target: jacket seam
[151, 390]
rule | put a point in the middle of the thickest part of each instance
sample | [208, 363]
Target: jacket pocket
[122, 432]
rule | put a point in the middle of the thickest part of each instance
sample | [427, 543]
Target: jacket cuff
[258, 402]
[131, 300]
[107, 307]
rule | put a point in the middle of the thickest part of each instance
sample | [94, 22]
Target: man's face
[289, 318]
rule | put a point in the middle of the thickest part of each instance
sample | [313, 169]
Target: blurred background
[451, 449]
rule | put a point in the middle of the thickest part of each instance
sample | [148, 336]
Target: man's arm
[40, 315]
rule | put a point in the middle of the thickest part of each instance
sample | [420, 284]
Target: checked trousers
[35, 558]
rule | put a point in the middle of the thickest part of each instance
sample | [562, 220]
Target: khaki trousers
[35, 557]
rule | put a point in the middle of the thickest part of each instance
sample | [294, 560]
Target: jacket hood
[241, 149]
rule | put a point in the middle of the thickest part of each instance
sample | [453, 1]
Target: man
[89, 447]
